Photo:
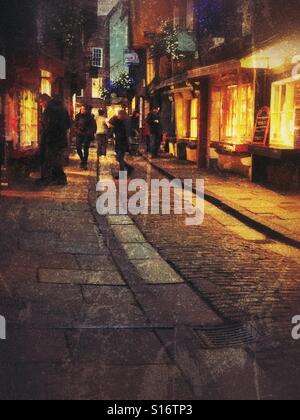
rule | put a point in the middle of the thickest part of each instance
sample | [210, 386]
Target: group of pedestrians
[55, 125]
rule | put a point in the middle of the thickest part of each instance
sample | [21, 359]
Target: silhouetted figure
[85, 127]
[54, 141]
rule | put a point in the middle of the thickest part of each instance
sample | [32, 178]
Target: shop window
[215, 116]
[232, 114]
[180, 120]
[194, 119]
[97, 57]
[246, 112]
[28, 119]
[96, 87]
[285, 114]
[46, 83]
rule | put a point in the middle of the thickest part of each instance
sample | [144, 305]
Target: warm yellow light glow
[28, 119]
[260, 61]
[194, 119]
[46, 84]
[113, 110]
[285, 106]
[96, 87]
[232, 114]
[180, 122]
[273, 56]
[133, 104]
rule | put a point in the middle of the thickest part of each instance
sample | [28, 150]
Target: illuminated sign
[2, 68]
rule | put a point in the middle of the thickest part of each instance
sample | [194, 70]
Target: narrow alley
[149, 202]
[110, 308]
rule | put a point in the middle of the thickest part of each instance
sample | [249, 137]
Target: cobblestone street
[103, 308]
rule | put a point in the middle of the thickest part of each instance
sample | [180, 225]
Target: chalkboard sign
[262, 127]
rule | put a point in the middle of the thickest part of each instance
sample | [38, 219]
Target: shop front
[22, 114]
[227, 129]
[276, 152]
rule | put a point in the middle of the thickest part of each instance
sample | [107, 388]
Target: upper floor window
[46, 82]
[97, 57]
[190, 15]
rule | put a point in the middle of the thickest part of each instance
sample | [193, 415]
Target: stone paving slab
[64, 247]
[156, 271]
[110, 306]
[119, 220]
[176, 305]
[98, 382]
[27, 259]
[140, 252]
[119, 347]
[80, 277]
[128, 234]
[95, 262]
[34, 346]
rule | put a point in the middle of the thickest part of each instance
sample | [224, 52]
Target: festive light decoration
[166, 42]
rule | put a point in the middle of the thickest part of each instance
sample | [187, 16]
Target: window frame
[97, 61]
[284, 113]
[100, 84]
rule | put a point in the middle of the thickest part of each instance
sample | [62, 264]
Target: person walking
[102, 133]
[155, 127]
[135, 133]
[85, 128]
[54, 141]
[120, 125]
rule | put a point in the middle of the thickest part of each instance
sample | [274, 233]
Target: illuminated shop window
[285, 114]
[180, 120]
[194, 119]
[215, 116]
[46, 85]
[246, 112]
[96, 87]
[133, 104]
[28, 119]
[232, 114]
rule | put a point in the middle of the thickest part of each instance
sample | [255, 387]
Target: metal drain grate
[228, 336]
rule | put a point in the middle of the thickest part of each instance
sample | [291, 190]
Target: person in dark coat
[86, 128]
[154, 123]
[135, 125]
[120, 126]
[54, 140]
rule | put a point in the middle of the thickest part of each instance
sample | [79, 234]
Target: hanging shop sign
[262, 127]
[131, 58]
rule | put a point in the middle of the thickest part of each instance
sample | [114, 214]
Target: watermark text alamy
[138, 197]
